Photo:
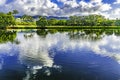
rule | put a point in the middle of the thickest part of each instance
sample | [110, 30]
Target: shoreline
[64, 27]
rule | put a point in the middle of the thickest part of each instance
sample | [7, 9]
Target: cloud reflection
[107, 46]
[39, 50]
[38, 47]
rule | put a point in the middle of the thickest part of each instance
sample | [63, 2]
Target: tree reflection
[42, 32]
[91, 34]
[7, 36]
[30, 35]
[117, 32]
[85, 34]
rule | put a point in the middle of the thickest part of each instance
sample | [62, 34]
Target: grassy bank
[63, 27]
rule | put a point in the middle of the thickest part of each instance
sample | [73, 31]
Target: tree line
[90, 20]
[8, 19]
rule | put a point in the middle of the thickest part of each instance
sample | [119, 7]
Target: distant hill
[48, 17]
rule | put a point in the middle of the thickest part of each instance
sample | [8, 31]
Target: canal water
[73, 55]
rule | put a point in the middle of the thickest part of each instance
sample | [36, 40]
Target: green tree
[7, 19]
[42, 22]
[61, 22]
[7, 36]
[42, 33]
[27, 18]
[117, 22]
[72, 21]
[52, 22]
[108, 22]
[15, 12]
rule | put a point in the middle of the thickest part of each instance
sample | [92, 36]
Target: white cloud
[116, 11]
[69, 7]
[98, 1]
[83, 8]
[71, 3]
[117, 2]
[37, 51]
[113, 14]
[32, 7]
[46, 7]
[105, 7]
[2, 2]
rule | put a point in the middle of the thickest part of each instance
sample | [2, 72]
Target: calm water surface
[60, 56]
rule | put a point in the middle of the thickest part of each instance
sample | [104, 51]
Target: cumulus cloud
[32, 7]
[105, 7]
[49, 8]
[113, 14]
[71, 3]
[117, 2]
[98, 1]
[68, 7]
[71, 7]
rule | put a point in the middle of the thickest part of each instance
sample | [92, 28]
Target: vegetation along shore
[10, 21]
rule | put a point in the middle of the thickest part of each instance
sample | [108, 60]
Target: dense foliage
[90, 20]
[7, 36]
[42, 22]
[6, 20]
[27, 18]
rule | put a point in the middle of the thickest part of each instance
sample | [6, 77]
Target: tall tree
[7, 19]
[15, 12]
[42, 22]
[52, 22]
[27, 18]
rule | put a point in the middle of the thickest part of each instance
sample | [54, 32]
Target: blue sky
[108, 8]
[56, 1]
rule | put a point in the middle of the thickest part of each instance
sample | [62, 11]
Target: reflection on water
[7, 36]
[53, 55]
